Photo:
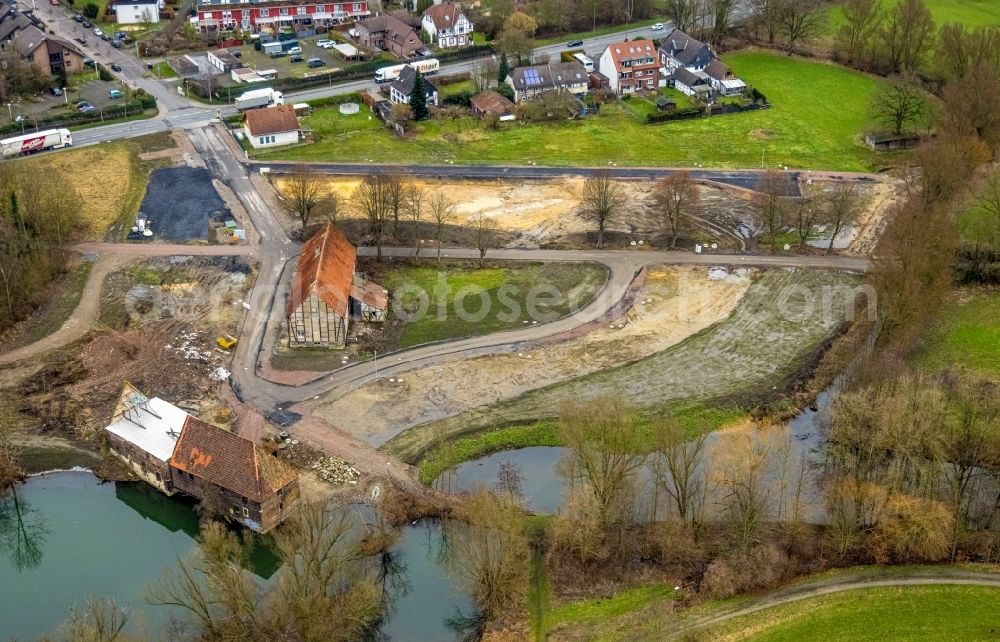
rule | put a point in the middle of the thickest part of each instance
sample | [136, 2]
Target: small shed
[490, 102]
[665, 104]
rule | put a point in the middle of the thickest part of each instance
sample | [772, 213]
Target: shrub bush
[462, 98]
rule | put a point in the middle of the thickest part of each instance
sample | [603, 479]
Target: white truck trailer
[37, 142]
[255, 98]
[388, 74]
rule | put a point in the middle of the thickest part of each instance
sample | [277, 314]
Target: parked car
[116, 67]
[21, 118]
[86, 23]
[98, 32]
[120, 35]
[81, 40]
[278, 54]
[295, 58]
[574, 43]
[295, 50]
[115, 94]
[117, 44]
[86, 108]
[657, 27]
[81, 103]
[316, 62]
[89, 62]
[325, 44]
[77, 18]
[56, 91]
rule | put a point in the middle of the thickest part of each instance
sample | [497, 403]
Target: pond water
[543, 489]
[66, 537]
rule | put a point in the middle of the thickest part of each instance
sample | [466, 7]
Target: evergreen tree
[503, 70]
[418, 98]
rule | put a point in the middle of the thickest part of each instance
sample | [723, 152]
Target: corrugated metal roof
[153, 425]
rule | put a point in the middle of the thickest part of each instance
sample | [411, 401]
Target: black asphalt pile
[179, 203]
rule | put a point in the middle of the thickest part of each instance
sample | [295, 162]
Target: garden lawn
[819, 113]
[453, 292]
[967, 334]
[938, 612]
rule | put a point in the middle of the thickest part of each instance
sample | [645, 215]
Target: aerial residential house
[252, 15]
[13, 21]
[630, 66]
[135, 12]
[490, 103]
[447, 25]
[402, 87]
[272, 126]
[693, 83]
[223, 60]
[326, 292]
[143, 433]
[680, 51]
[388, 33]
[723, 81]
[238, 477]
[50, 54]
[529, 82]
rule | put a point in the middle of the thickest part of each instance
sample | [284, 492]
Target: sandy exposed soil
[674, 304]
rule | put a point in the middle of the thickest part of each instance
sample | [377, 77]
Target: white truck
[37, 142]
[255, 98]
[388, 74]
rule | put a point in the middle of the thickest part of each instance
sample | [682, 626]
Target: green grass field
[967, 334]
[938, 612]
[819, 112]
[454, 297]
[971, 13]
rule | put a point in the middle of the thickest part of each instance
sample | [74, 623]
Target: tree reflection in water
[22, 531]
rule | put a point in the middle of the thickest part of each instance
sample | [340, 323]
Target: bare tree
[841, 209]
[11, 471]
[401, 114]
[766, 17]
[442, 208]
[415, 198]
[861, 23]
[769, 205]
[801, 21]
[98, 621]
[972, 104]
[304, 194]
[484, 74]
[907, 36]
[898, 104]
[721, 12]
[686, 15]
[674, 199]
[602, 200]
[484, 229]
[806, 213]
[369, 200]
[395, 189]
[683, 475]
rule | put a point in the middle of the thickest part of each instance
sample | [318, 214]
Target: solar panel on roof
[531, 77]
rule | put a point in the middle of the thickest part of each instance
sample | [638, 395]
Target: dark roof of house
[444, 15]
[135, 2]
[29, 39]
[548, 76]
[230, 461]
[271, 120]
[490, 102]
[326, 268]
[689, 78]
[394, 28]
[405, 17]
[407, 77]
[684, 48]
[718, 70]
[12, 21]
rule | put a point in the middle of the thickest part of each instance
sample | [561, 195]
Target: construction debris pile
[336, 471]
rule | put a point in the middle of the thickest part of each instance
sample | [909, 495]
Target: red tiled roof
[490, 102]
[272, 120]
[370, 293]
[632, 50]
[326, 268]
[230, 461]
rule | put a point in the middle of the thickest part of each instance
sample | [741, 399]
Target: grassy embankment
[819, 111]
[776, 331]
[971, 13]
[695, 417]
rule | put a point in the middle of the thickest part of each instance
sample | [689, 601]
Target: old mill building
[326, 292]
[173, 451]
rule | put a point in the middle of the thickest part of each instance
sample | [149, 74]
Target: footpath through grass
[66, 297]
[451, 300]
[918, 613]
[819, 112]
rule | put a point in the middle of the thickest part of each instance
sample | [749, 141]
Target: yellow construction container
[226, 341]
